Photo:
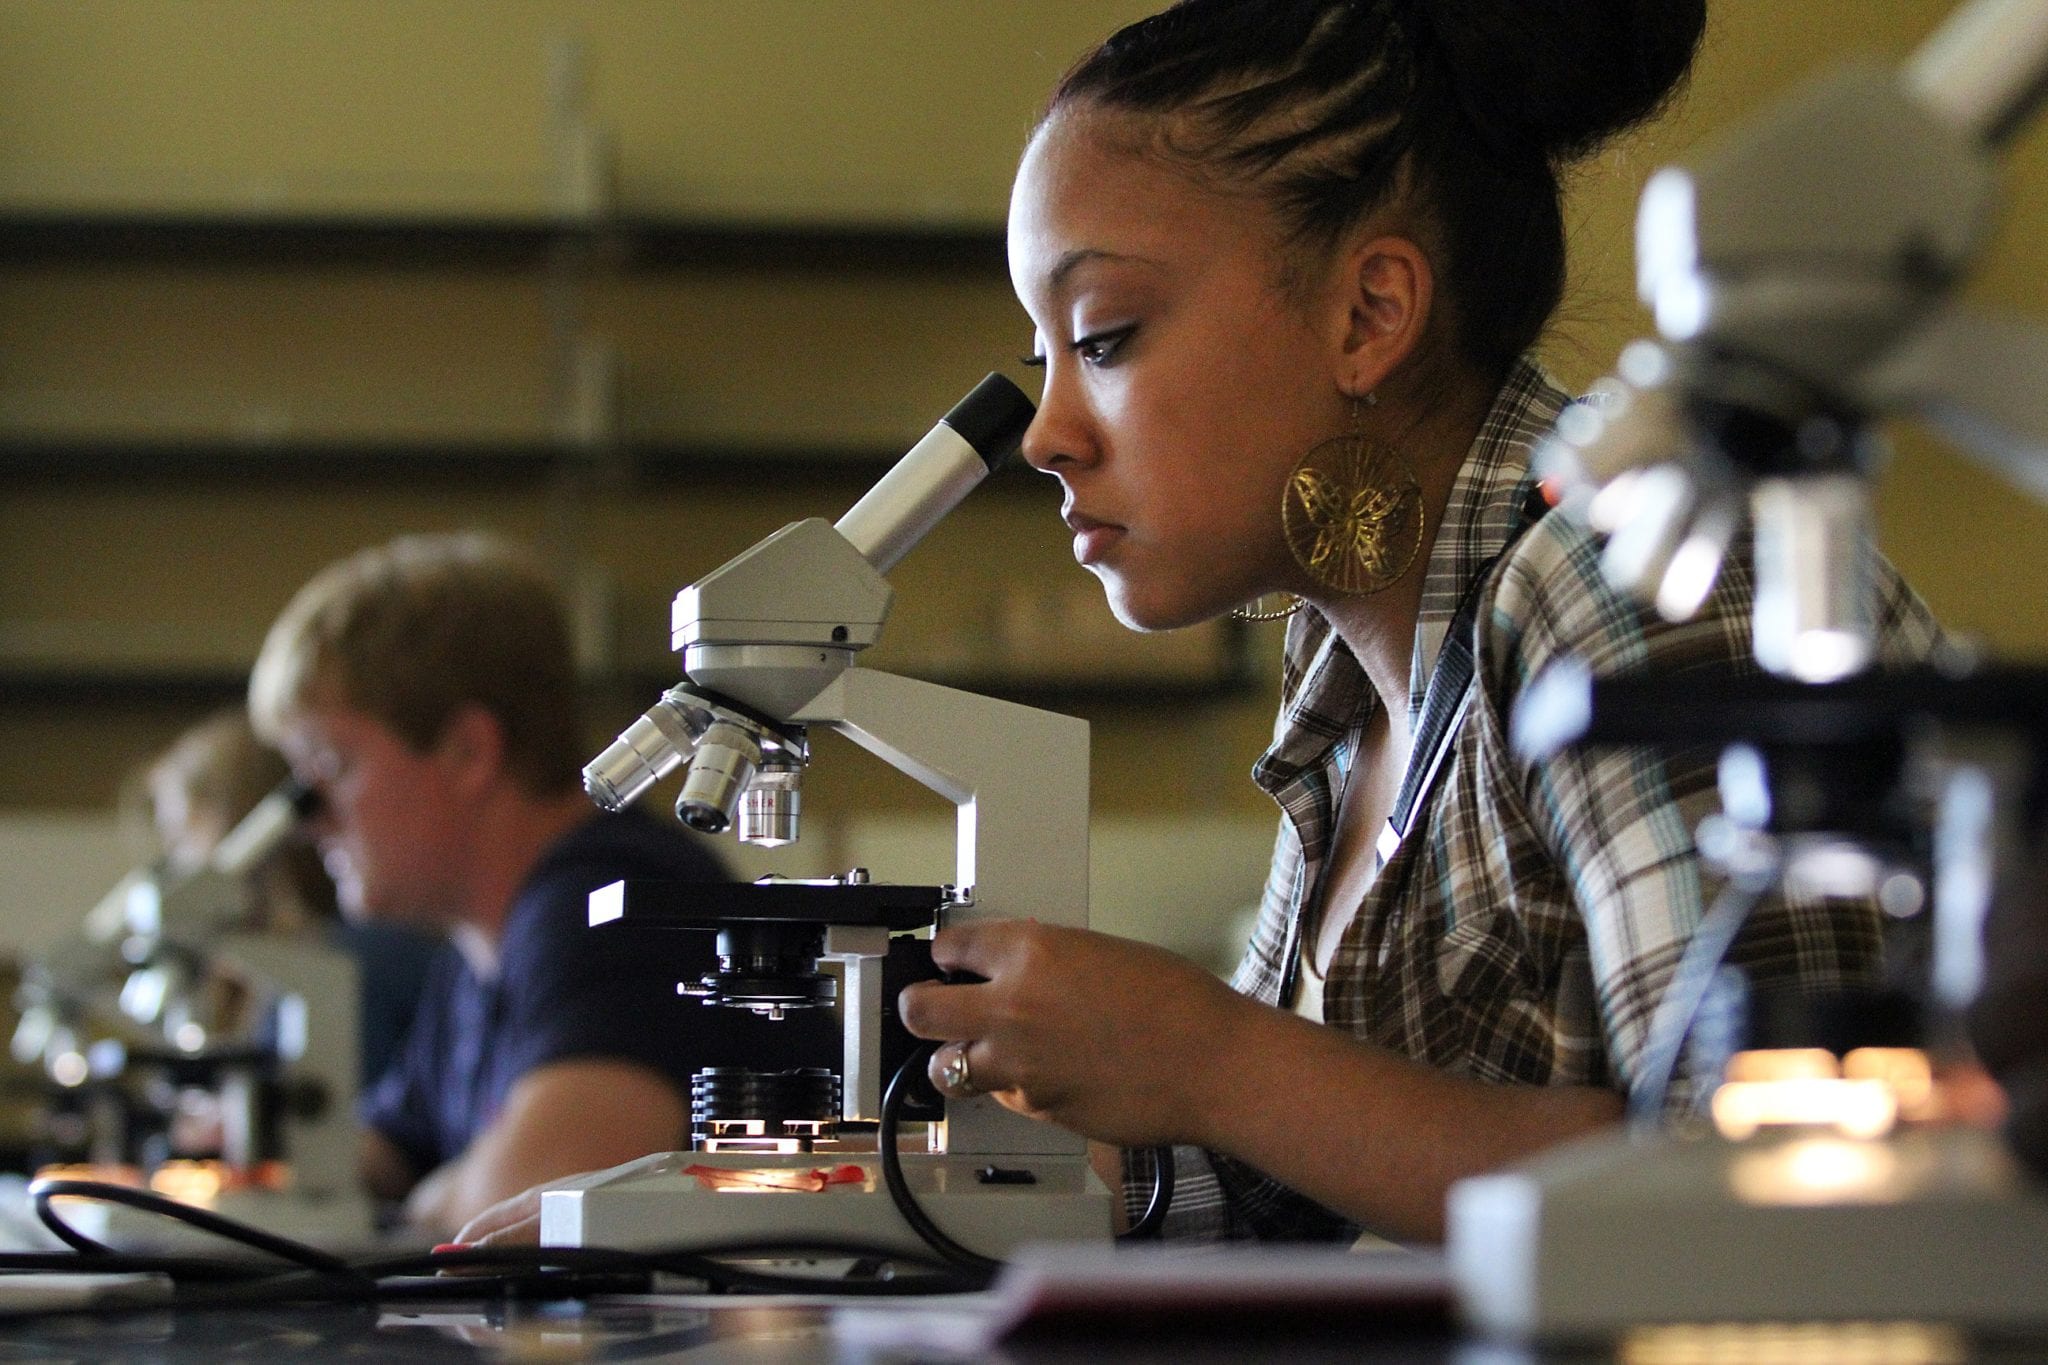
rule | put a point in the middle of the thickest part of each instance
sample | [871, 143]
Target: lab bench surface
[735, 1329]
[639, 1328]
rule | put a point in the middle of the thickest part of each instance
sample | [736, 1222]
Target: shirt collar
[1324, 694]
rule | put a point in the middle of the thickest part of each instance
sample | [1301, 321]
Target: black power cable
[935, 1237]
[950, 1251]
[319, 1276]
[316, 1276]
[284, 1248]
[1150, 1224]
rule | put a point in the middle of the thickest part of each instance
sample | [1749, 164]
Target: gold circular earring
[1352, 511]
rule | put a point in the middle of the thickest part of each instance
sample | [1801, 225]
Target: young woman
[1285, 259]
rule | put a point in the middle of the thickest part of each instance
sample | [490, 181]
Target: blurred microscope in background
[199, 1034]
[1803, 278]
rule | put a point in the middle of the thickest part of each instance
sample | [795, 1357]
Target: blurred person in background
[426, 690]
[199, 789]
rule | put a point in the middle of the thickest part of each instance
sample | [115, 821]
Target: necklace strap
[1444, 704]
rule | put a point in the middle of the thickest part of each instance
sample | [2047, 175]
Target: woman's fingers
[947, 1010]
[1102, 1035]
[973, 947]
[952, 1071]
[934, 1009]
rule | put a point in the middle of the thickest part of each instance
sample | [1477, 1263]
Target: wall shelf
[605, 376]
[30, 238]
[204, 688]
[87, 460]
[640, 462]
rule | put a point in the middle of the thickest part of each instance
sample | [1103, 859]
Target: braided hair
[1332, 109]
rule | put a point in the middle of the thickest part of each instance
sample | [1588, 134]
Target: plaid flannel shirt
[1522, 932]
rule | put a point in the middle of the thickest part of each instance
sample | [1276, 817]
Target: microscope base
[1614, 1233]
[652, 1202]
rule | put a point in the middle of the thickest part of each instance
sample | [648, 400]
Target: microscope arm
[1982, 381]
[1007, 768]
[1985, 69]
[1019, 780]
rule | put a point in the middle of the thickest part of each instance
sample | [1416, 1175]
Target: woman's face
[1181, 383]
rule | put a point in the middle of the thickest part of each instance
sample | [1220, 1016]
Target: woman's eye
[1099, 347]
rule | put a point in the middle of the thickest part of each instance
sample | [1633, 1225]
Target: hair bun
[1559, 77]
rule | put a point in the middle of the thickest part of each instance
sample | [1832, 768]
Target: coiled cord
[932, 1234]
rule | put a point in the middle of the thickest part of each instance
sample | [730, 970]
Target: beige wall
[864, 111]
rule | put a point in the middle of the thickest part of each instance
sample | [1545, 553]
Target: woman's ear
[1386, 289]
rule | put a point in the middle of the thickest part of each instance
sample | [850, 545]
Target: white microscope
[768, 644]
[279, 1068]
[1802, 277]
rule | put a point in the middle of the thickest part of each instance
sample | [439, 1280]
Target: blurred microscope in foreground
[768, 644]
[1802, 277]
[199, 1032]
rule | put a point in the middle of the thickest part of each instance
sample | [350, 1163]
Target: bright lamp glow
[1861, 1096]
[1815, 1170]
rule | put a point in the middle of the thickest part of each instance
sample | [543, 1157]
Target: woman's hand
[1114, 1039]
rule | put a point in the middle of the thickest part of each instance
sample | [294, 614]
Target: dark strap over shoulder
[1444, 703]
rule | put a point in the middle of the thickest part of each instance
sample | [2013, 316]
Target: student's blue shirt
[565, 990]
[392, 966]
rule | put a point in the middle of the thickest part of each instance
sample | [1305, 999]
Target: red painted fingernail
[452, 1246]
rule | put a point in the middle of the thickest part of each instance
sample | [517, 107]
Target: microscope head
[766, 632]
[1798, 273]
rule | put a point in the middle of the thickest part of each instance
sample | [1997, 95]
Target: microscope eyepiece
[992, 418]
[971, 441]
[266, 827]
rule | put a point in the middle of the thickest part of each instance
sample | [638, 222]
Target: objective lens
[647, 751]
[769, 808]
[1813, 611]
[726, 758]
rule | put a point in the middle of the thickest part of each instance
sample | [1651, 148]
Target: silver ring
[954, 1072]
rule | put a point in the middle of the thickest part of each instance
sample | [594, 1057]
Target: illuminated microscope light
[105, 1173]
[197, 1183]
[740, 1180]
[1862, 1096]
[1832, 1113]
[1794, 1343]
[753, 1135]
[201, 1182]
